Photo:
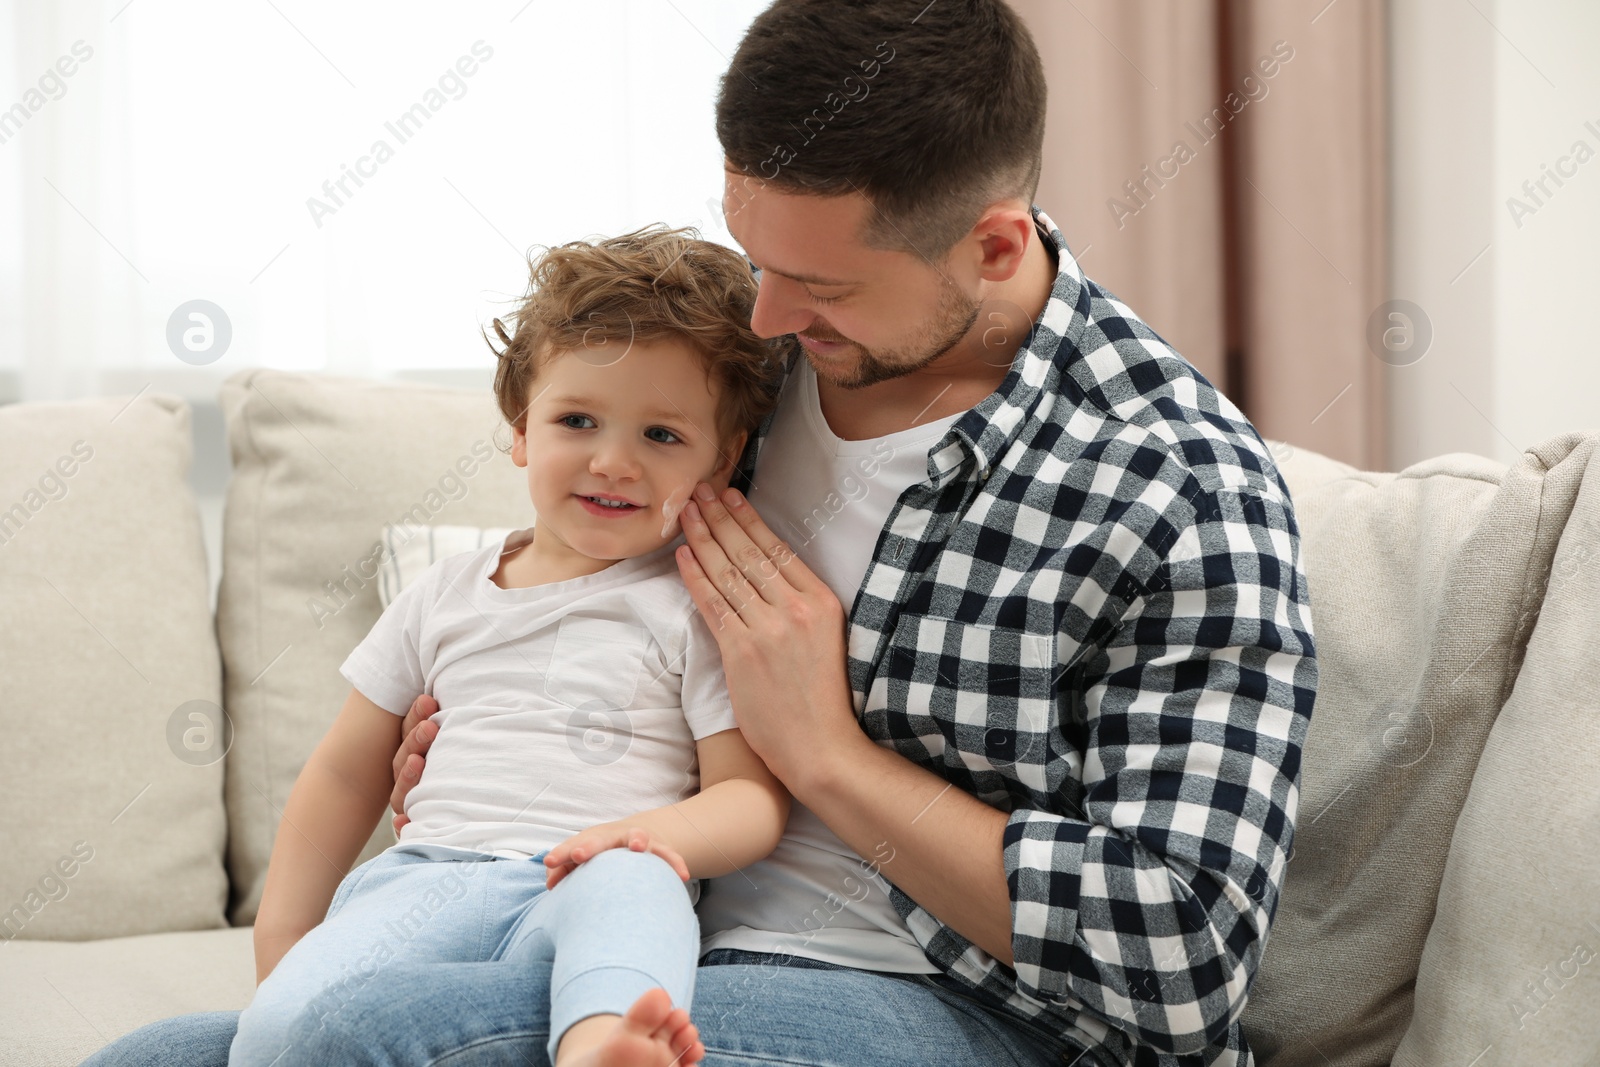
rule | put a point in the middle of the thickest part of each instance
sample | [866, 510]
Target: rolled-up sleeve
[1149, 904]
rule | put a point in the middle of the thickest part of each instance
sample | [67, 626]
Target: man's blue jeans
[752, 1009]
[619, 925]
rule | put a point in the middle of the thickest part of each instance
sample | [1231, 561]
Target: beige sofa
[1443, 900]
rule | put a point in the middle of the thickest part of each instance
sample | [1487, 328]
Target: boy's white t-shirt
[560, 706]
[828, 499]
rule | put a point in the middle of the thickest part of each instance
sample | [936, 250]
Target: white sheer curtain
[180, 160]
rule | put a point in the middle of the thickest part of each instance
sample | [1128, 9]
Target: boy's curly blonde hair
[647, 285]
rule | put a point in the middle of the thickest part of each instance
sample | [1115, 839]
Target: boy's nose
[614, 460]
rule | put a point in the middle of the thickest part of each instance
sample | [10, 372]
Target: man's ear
[1003, 234]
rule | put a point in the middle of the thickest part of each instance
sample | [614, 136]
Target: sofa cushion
[61, 1001]
[1420, 594]
[1509, 971]
[112, 792]
[320, 465]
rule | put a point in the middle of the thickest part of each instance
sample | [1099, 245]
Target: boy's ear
[519, 446]
[730, 455]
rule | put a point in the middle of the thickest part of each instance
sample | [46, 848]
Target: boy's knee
[623, 863]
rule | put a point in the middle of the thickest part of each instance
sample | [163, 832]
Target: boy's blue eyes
[584, 422]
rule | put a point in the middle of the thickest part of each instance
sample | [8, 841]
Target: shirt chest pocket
[595, 663]
[988, 690]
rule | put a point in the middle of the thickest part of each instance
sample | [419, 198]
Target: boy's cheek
[672, 507]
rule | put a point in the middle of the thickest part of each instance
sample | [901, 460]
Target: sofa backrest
[320, 464]
[1425, 586]
[1508, 975]
[110, 686]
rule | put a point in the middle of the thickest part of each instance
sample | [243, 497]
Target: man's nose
[779, 308]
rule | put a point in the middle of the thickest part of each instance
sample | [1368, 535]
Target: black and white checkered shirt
[1093, 616]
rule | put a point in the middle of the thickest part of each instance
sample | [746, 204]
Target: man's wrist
[828, 768]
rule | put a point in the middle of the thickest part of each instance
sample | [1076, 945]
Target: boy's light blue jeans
[752, 1009]
[620, 924]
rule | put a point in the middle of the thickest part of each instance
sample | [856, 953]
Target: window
[356, 186]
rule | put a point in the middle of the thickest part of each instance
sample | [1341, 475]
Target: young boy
[632, 375]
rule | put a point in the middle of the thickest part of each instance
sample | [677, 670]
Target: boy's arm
[331, 813]
[737, 817]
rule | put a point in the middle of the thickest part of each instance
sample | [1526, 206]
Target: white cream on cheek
[672, 507]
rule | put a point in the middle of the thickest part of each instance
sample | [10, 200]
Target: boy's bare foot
[652, 1034]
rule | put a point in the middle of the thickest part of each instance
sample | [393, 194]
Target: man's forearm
[945, 847]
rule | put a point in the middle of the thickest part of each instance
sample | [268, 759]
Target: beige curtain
[1222, 168]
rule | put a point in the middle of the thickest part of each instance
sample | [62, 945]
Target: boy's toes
[675, 1020]
[649, 1013]
[683, 1037]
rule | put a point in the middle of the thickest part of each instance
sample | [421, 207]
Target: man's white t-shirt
[828, 499]
[560, 705]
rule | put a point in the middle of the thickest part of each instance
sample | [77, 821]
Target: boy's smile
[614, 444]
[604, 504]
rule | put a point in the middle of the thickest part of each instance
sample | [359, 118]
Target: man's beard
[953, 320]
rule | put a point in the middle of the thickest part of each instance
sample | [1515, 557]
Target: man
[998, 536]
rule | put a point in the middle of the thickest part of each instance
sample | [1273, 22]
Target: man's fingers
[416, 736]
[736, 564]
[420, 709]
[773, 555]
[416, 732]
[717, 541]
[712, 605]
[407, 773]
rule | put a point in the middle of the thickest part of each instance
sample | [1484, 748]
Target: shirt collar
[989, 428]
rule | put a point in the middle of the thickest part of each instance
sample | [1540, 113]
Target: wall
[1487, 96]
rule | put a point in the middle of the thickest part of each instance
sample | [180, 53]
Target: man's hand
[782, 635]
[585, 845]
[416, 734]
[781, 632]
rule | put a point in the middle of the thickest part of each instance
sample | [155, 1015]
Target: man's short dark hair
[931, 110]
